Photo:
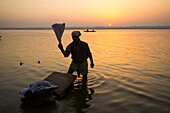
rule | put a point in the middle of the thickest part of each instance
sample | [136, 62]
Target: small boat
[90, 31]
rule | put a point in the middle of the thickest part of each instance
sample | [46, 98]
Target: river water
[131, 73]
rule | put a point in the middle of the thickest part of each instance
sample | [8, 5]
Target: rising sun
[110, 24]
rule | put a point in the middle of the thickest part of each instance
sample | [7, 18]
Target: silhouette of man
[80, 53]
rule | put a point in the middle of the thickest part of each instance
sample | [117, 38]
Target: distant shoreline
[48, 28]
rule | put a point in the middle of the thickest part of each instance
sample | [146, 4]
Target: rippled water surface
[131, 73]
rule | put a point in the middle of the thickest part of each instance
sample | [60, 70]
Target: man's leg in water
[84, 79]
[70, 71]
[85, 71]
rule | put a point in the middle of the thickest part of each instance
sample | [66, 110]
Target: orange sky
[43, 13]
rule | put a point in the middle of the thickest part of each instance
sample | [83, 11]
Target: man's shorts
[81, 68]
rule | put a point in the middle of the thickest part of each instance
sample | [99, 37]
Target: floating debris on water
[21, 63]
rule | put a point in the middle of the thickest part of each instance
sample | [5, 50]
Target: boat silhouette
[90, 31]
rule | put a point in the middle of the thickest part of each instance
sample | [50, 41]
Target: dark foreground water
[131, 73]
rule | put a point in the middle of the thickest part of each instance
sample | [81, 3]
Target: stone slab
[62, 80]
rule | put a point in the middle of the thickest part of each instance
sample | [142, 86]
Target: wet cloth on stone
[37, 86]
[81, 68]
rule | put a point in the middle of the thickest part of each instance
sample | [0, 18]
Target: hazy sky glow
[43, 13]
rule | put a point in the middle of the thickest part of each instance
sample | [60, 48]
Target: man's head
[75, 36]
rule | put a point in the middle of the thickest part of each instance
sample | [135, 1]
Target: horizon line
[97, 27]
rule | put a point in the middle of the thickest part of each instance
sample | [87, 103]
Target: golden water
[131, 73]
